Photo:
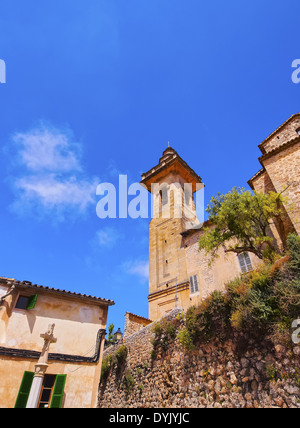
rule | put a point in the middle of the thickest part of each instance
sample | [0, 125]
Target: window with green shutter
[31, 302]
[58, 392]
[46, 391]
[24, 390]
[26, 302]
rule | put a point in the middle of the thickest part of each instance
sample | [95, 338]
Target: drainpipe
[11, 290]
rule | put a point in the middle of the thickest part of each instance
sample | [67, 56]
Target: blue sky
[97, 88]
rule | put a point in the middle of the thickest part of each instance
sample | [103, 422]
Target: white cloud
[138, 268]
[107, 237]
[48, 149]
[50, 192]
[48, 175]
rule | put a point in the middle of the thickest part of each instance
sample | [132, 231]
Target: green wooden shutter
[24, 390]
[31, 302]
[58, 392]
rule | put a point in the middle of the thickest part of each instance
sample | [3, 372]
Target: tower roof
[170, 162]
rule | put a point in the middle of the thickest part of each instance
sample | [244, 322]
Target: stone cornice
[170, 290]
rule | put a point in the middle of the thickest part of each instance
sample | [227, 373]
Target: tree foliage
[111, 338]
[260, 303]
[241, 223]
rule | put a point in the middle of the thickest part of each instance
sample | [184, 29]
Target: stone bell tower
[172, 184]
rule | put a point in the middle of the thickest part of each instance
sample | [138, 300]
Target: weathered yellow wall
[65, 314]
[81, 383]
[210, 278]
[76, 326]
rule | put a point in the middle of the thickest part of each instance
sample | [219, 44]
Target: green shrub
[128, 381]
[271, 373]
[186, 339]
[164, 331]
[121, 354]
[293, 244]
[213, 317]
[287, 288]
[264, 301]
[210, 319]
[106, 366]
[153, 354]
[157, 329]
[170, 329]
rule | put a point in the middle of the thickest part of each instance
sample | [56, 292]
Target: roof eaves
[261, 171]
[29, 285]
[276, 130]
[278, 149]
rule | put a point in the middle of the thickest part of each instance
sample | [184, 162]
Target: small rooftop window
[298, 131]
[26, 302]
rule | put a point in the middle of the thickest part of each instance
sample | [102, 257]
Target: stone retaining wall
[238, 373]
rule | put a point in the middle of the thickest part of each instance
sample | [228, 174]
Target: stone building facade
[222, 374]
[180, 275]
[280, 173]
[134, 323]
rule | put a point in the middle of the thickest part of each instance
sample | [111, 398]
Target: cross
[48, 339]
[40, 369]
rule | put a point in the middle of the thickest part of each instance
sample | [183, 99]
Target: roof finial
[168, 143]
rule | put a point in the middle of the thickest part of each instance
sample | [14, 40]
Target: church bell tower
[172, 184]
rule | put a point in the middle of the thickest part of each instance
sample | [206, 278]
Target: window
[52, 391]
[194, 284]
[26, 302]
[187, 197]
[47, 390]
[164, 196]
[298, 131]
[58, 391]
[245, 262]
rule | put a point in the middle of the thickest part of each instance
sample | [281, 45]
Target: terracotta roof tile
[29, 285]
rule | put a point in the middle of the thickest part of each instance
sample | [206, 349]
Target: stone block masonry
[281, 173]
[134, 323]
[238, 373]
